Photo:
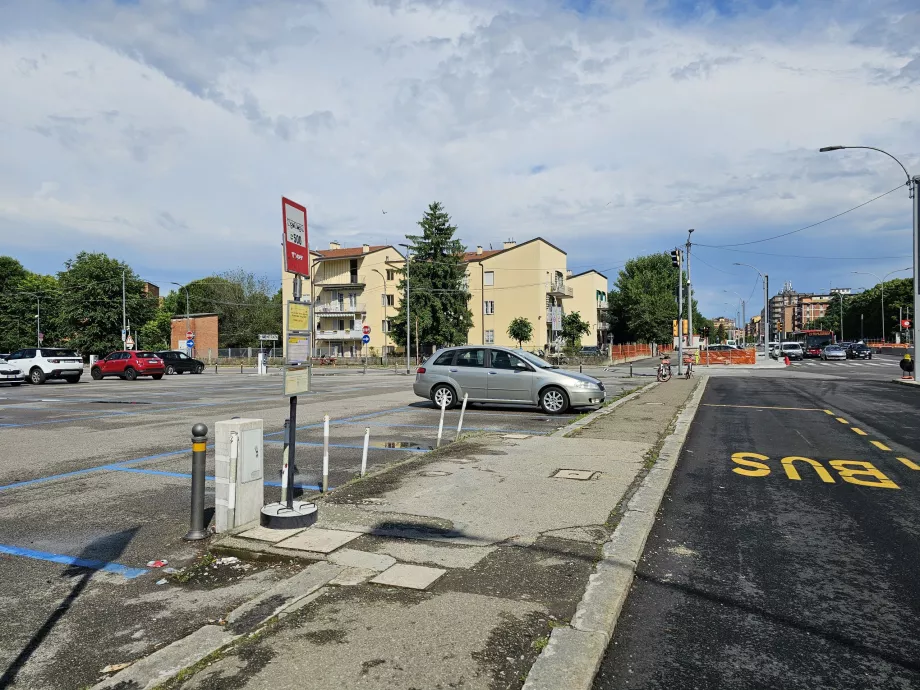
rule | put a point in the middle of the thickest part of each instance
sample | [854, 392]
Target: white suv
[41, 364]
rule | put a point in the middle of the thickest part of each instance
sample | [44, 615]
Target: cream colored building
[351, 287]
[590, 301]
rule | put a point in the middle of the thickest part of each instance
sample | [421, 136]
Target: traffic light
[675, 258]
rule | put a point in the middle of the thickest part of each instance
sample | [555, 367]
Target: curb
[566, 430]
[574, 653]
[907, 382]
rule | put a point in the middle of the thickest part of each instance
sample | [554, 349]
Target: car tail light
[420, 370]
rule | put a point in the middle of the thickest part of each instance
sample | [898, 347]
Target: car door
[510, 378]
[469, 370]
[19, 360]
[182, 362]
[117, 363]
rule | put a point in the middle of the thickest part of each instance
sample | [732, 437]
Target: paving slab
[409, 576]
[272, 536]
[362, 559]
[351, 577]
[319, 540]
[426, 552]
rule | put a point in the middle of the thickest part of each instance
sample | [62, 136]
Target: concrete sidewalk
[452, 569]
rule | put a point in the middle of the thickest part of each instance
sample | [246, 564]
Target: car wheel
[157, 377]
[36, 376]
[72, 379]
[199, 369]
[870, 356]
[130, 374]
[554, 400]
[444, 393]
[96, 374]
[170, 369]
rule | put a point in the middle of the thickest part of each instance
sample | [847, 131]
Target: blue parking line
[106, 566]
[181, 475]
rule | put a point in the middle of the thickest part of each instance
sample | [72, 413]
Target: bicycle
[664, 369]
[688, 362]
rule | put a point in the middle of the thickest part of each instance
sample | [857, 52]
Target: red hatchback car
[128, 365]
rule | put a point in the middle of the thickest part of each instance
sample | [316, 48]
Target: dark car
[590, 351]
[179, 362]
[128, 365]
[859, 351]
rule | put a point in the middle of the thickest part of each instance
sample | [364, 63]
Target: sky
[165, 132]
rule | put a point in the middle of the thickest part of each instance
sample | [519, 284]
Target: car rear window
[146, 355]
[59, 353]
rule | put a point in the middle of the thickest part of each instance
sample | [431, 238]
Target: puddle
[117, 402]
[399, 444]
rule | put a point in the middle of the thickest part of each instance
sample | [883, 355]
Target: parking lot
[100, 472]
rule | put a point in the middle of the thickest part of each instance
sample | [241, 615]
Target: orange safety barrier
[748, 356]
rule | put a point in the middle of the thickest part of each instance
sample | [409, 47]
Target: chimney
[510, 243]
[334, 244]
[479, 250]
[568, 274]
[365, 248]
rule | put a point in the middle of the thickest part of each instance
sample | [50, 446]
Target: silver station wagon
[502, 375]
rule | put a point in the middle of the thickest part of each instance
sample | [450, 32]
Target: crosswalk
[847, 363]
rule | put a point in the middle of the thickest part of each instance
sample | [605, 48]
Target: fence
[748, 356]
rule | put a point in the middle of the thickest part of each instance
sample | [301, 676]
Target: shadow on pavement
[108, 548]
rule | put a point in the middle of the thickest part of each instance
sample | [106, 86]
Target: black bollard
[199, 454]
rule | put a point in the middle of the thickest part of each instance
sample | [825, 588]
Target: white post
[284, 472]
[325, 453]
[441, 424]
[462, 412]
[367, 438]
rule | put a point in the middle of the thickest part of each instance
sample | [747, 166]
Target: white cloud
[139, 128]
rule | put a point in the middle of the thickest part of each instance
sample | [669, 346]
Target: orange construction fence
[748, 356]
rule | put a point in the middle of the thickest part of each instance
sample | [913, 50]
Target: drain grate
[580, 475]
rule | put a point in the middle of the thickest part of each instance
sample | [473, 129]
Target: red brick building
[205, 328]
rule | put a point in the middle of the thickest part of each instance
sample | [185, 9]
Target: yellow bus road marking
[910, 464]
[767, 407]
[859, 431]
[842, 420]
[879, 445]
[829, 412]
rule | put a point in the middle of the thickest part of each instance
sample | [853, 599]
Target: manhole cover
[581, 475]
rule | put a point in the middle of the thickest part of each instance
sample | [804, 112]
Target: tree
[643, 303]
[24, 296]
[439, 300]
[572, 330]
[520, 329]
[91, 302]
[157, 332]
[720, 333]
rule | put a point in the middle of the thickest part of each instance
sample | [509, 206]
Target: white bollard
[367, 438]
[441, 424]
[325, 453]
[462, 412]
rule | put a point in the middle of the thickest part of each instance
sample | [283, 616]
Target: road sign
[905, 323]
[268, 336]
[41, 336]
[366, 330]
[129, 342]
[189, 335]
[296, 252]
[188, 343]
[365, 339]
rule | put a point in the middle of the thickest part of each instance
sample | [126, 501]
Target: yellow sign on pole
[298, 317]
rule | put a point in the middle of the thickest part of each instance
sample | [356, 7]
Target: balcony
[603, 326]
[339, 282]
[339, 308]
[558, 288]
[347, 334]
[603, 304]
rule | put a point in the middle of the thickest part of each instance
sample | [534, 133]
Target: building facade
[589, 299]
[206, 333]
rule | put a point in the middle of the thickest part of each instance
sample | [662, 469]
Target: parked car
[859, 351]
[10, 374]
[791, 350]
[503, 375]
[833, 352]
[38, 364]
[721, 347]
[590, 351]
[179, 362]
[127, 364]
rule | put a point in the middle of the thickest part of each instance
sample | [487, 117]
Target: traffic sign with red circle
[905, 323]
[366, 330]
[189, 335]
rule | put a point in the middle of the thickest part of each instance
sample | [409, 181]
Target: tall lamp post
[913, 192]
[766, 307]
[743, 312]
[377, 271]
[882, 285]
[689, 294]
[408, 320]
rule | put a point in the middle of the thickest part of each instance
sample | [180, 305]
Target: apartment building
[792, 311]
[351, 287]
[589, 299]
[526, 279]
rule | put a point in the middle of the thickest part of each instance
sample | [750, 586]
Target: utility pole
[689, 293]
[841, 315]
[124, 311]
[408, 319]
[676, 262]
[766, 315]
[38, 323]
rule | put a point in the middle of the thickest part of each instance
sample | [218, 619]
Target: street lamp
[408, 320]
[913, 185]
[882, 284]
[766, 307]
[377, 271]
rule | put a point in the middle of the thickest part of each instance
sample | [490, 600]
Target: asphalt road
[765, 573]
[99, 471]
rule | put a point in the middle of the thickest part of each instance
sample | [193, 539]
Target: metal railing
[339, 308]
[347, 334]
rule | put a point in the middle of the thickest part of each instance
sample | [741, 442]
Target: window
[445, 360]
[385, 325]
[490, 336]
[391, 274]
[341, 323]
[506, 360]
[471, 358]
[180, 355]
[488, 278]
[388, 300]
[58, 353]
[488, 307]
